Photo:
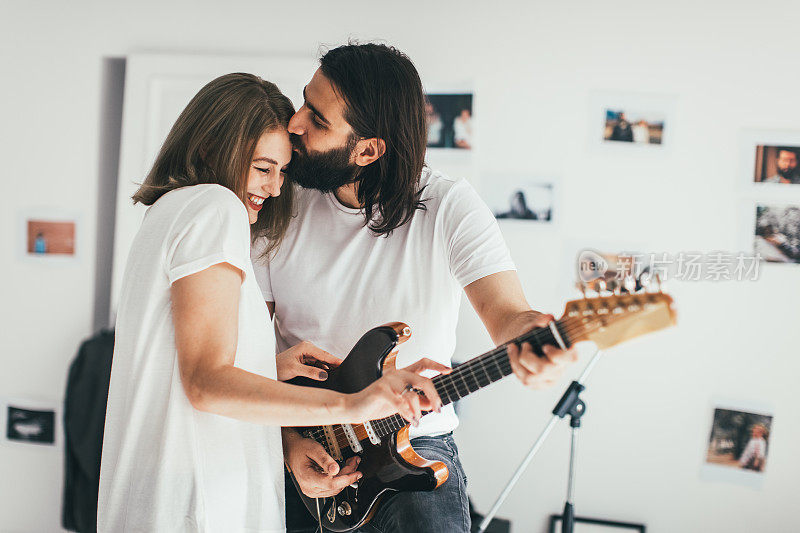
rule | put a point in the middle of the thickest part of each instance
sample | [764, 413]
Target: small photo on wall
[26, 425]
[449, 119]
[28, 421]
[770, 159]
[520, 198]
[777, 233]
[777, 164]
[739, 440]
[632, 119]
[634, 126]
[49, 237]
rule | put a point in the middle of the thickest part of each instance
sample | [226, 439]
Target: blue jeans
[444, 510]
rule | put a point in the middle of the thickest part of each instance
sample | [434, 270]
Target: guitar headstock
[608, 320]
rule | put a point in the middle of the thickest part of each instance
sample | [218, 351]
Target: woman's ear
[368, 151]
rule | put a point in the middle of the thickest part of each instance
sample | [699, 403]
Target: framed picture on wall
[49, 235]
[771, 159]
[452, 126]
[596, 525]
[520, 197]
[776, 233]
[738, 443]
[630, 121]
[449, 119]
[26, 421]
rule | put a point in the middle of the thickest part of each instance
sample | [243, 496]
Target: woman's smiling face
[267, 170]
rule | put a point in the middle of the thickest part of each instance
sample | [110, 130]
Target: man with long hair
[379, 237]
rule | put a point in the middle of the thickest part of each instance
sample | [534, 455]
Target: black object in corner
[84, 420]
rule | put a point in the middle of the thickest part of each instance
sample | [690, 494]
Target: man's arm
[500, 303]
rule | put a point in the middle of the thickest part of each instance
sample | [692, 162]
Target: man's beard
[323, 171]
[788, 173]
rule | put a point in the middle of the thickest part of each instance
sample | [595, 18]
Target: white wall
[732, 66]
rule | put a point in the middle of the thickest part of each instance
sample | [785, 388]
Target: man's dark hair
[383, 98]
[790, 149]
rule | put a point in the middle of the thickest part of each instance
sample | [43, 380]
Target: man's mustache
[297, 143]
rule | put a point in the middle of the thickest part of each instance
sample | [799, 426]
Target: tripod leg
[568, 518]
[520, 469]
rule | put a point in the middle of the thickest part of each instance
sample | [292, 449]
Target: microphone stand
[570, 404]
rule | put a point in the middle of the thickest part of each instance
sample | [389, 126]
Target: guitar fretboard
[477, 373]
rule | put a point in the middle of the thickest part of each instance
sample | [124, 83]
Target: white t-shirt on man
[167, 466]
[332, 279]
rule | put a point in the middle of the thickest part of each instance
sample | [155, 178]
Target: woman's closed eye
[266, 170]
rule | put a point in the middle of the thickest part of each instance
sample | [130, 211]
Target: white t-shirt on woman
[167, 467]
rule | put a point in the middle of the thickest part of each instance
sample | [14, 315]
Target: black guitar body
[391, 465]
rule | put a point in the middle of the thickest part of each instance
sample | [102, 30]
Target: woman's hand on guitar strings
[389, 394]
[306, 360]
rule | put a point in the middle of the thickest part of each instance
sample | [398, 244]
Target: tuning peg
[629, 284]
[644, 281]
[611, 285]
[600, 286]
[581, 287]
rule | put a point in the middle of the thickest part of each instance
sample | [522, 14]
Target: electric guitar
[388, 462]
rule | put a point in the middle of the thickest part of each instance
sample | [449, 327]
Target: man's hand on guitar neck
[500, 303]
[534, 371]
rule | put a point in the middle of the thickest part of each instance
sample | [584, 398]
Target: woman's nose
[273, 186]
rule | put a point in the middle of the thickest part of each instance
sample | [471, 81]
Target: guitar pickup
[373, 437]
[352, 439]
[333, 444]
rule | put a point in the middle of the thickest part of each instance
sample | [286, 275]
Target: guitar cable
[319, 516]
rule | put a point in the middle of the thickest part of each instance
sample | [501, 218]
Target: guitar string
[449, 387]
[388, 424]
[394, 422]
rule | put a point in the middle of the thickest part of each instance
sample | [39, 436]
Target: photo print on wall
[776, 237]
[519, 197]
[634, 126]
[28, 421]
[449, 119]
[49, 235]
[738, 444]
[777, 164]
[631, 119]
[770, 160]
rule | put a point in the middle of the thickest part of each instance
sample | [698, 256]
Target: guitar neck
[479, 372]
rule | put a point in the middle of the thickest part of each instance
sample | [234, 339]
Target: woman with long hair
[192, 435]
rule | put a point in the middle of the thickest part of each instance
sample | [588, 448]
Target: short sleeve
[475, 246]
[212, 228]
[261, 269]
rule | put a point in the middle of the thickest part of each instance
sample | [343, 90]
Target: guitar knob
[344, 509]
